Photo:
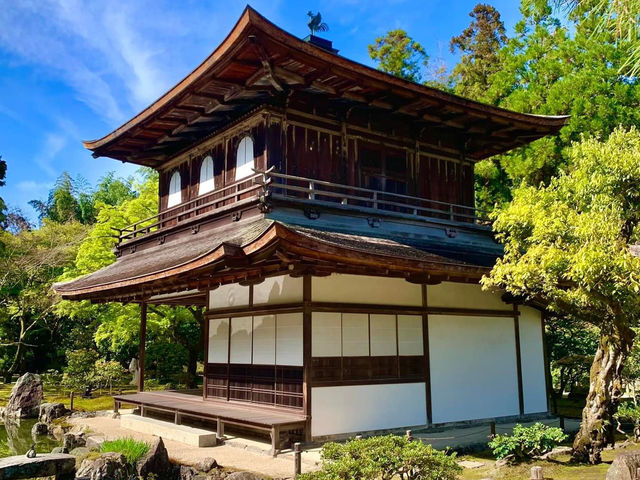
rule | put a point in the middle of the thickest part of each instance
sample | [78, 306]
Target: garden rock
[244, 476]
[40, 428]
[25, 398]
[59, 450]
[187, 473]
[94, 442]
[156, 461]
[207, 464]
[80, 451]
[624, 466]
[109, 466]
[51, 411]
[73, 440]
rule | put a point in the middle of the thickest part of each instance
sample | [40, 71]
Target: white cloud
[31, 187]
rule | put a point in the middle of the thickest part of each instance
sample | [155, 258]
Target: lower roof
[225, 254]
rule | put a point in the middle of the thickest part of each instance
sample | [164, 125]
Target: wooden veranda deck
[254, 417]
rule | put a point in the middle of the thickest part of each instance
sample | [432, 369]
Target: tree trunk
[605, 388]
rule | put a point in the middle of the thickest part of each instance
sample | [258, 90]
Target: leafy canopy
[398, 54]
[569, 243]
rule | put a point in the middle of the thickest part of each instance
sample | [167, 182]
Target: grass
[133, 450]
[101, 400]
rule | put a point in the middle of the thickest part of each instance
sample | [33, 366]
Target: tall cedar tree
[3, 174]
[548, 68]
[398, 54]
[479, 44]
[571, 244]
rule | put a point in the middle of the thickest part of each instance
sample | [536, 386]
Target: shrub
[133, 450]
[628, 412]
[384, 458]
[107, 373]
[527, 442]
[51, 378]
[80, 370]
[166, 360]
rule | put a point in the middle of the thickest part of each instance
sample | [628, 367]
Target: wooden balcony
[268, 186]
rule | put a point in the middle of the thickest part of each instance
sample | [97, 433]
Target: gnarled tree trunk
[597, 428]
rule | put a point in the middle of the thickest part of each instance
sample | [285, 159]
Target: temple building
[322, 212]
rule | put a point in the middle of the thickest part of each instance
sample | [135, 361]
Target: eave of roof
[137, 273]
[252, 21]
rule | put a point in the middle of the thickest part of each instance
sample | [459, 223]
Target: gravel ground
[242, 454]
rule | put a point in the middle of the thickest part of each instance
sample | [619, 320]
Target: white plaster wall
[326, 334]
[231, 295]
[473, 368]
[352, 409]
[278, 290]
[410, 335]
[463, 295]
[355, 334]
[365, 289]
[289, 339]
[532, 356]
[383, 335]
[240, 341]
[264, 340]
[218, 340]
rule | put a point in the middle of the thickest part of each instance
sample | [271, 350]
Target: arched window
[206, 176]
[244, 158]
[175, 190]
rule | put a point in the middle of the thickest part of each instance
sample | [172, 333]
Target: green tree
[619, 18]
[116, 326]
[80, 371]
[3, 174]
[30, 263]
[398, 54]
[554, 69]
[479, 44]
[568, 244]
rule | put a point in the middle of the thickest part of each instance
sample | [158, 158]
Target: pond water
[15, 438]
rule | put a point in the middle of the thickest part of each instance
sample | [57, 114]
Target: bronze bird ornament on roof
[316, 24]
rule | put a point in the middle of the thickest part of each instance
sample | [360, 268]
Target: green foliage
[569, 243]
[133, 450]
[165, 360]
[80, 371]
[398, 54]
[3, 174]
[384, 457]
[108, 372]
[526, 442]
[552, 68]
[479, 44]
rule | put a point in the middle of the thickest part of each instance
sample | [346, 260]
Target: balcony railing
[271, 184]
[243, 191]
[321, 192]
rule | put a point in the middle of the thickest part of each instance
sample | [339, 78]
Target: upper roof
[258, 62]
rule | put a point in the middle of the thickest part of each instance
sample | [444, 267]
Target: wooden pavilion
[323, 214]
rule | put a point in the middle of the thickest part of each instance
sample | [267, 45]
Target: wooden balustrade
[291, 188]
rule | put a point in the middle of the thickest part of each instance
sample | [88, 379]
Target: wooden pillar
[205, 343]
[516, 328]
[427, 361]
[143, 341]
[306, 355]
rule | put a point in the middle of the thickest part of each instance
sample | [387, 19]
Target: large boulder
[108, 466]
[50, 411]
[25, 398]
[73, 440]
[155, 462]
[39, 428]
[624, 466]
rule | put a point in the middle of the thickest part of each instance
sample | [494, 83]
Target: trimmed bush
[384, 457]
[133, 450]
[527, 442]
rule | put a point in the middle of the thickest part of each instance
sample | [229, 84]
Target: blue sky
[73, 70]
